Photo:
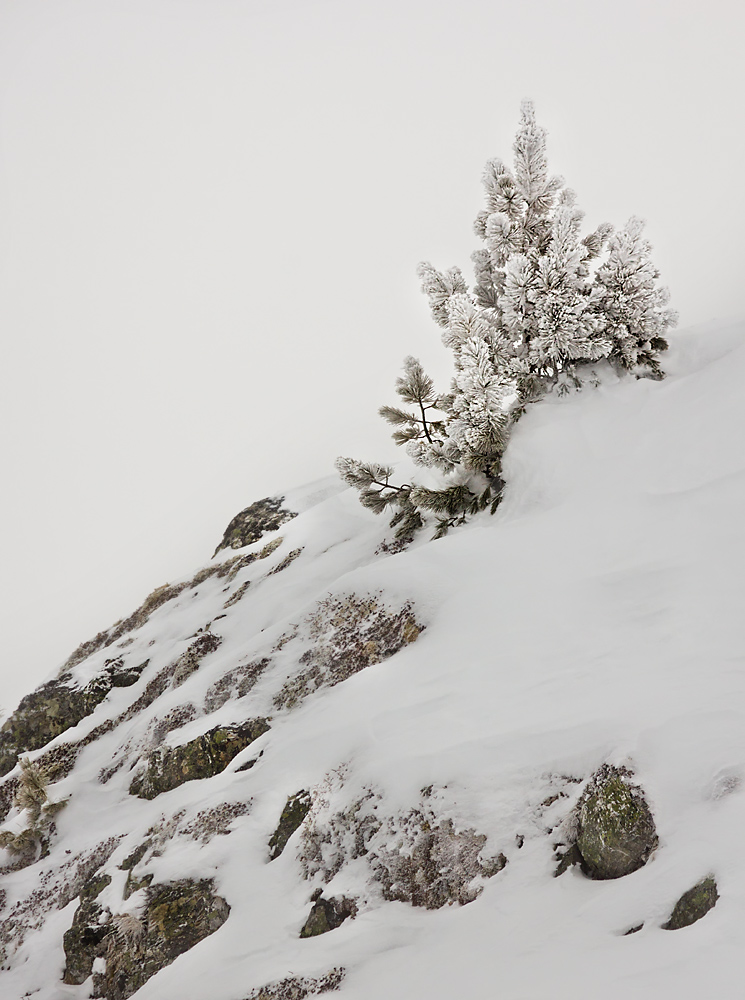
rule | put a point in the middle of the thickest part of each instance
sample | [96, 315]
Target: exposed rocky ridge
[117, 950]
[162, 595]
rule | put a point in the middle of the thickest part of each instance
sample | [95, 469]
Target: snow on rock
[440, 712]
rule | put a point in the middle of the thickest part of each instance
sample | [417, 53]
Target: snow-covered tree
[547, 307]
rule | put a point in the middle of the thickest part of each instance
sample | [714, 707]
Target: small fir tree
[547, 306]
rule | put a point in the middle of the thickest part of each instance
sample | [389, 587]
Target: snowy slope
[597, 617]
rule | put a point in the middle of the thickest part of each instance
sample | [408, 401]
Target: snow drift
[449, 701]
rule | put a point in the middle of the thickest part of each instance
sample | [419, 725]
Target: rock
[168, 767]
[177, 916]
[295, 810]
[86, 939]
[327, 914]
[45, 713]
[113, 675]
[693, 904]
[254, 521]
[57, 706]
[615, 828]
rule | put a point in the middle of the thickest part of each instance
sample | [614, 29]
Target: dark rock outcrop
[254, 521]
[295, 810]
[168, 767]
[327, 914]
[693, 904]
[615, 828]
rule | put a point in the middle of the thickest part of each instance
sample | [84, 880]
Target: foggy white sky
[210, 216]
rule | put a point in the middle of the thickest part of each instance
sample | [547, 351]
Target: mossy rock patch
[295, 810]
[254, 521]
[693, 904]
[168, 767]
[616, 829]
[177, 916]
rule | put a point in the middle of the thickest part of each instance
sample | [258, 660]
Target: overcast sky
[211, 212]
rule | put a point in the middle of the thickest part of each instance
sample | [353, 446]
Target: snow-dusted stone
[209, 754]
[615, 827]
[693, 904]
[346, 635]
[255, 521]
[416, 857]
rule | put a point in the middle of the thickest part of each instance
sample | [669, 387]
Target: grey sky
[210, 216]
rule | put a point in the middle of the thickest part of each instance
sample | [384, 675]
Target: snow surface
[597, 617]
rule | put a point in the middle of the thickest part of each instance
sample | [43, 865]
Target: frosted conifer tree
[548, 306]
[631, 305]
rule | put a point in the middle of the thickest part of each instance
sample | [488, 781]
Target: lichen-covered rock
[86, 939]
[327, 914]
[298, 989]
[177, 916]
[346, 634]
[254, 521]
[45, 713]
[168, 767]
[57, 706]
[693, 904]
[295, 810]
[615, 828]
